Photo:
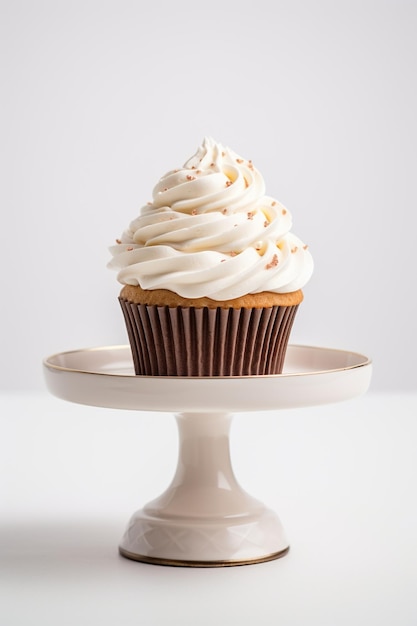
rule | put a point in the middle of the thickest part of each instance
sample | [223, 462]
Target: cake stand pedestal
[205, 518]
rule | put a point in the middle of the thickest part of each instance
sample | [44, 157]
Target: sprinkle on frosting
[272, 263]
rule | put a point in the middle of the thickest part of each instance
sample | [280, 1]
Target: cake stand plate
[204, 518]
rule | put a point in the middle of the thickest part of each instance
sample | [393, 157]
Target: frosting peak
[211, 231]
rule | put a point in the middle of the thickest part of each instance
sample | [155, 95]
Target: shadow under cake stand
[204, 518]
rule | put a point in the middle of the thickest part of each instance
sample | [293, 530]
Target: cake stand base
[204, 518]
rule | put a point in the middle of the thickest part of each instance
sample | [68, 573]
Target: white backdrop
[100, 98]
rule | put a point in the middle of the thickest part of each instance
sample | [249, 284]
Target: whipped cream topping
[211, 231]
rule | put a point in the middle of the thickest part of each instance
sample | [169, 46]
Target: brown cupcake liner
[186, 341]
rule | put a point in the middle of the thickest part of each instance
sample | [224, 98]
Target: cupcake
[212, 273]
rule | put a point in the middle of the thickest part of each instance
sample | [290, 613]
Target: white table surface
[342, 477]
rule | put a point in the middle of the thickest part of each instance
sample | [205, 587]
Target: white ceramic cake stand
[204, 518]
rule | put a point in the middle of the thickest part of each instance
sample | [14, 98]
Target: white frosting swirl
[211, 231]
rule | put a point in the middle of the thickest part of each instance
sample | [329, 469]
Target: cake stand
[204, 518]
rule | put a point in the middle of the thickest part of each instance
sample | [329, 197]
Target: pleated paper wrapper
[182, 341]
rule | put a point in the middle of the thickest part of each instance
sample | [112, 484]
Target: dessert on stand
[212, 279]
